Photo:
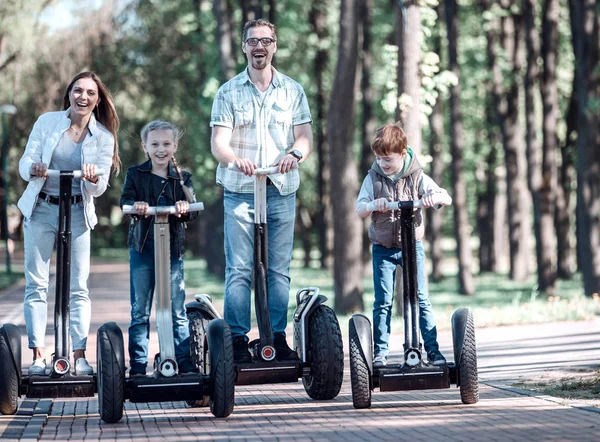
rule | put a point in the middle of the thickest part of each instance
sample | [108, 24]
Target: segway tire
[222, 368]
[9, 378]
[199, 348]
[326, 354]
[359, 372]
[467, 367]
[111, 378]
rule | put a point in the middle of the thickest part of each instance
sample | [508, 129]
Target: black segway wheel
[111, 373]
[467, 366]
[359, 371]
[326, 355]
[199, 348]
[222, 369]
[9, 377]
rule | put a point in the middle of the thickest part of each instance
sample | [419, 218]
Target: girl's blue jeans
[384, 277]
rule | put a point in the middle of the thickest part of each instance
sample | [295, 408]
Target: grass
[585, 387]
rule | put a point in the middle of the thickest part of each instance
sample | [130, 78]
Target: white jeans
[40, 234]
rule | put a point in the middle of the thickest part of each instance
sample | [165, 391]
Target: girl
[157, 182]
[83, 137]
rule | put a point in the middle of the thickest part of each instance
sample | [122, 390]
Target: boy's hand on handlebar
[428, 200]
[39, 170]
[141, 208]
[246, 166]
[88, 173]
[380, 205]
[182, 208]
[286, 163]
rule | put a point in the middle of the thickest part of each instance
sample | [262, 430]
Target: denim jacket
[98, 147]
[138, 187]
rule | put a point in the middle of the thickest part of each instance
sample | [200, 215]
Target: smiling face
[83, 97]
[160, 146]
[391, 163]
[259, 56]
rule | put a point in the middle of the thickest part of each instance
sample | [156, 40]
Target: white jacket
[97, 148]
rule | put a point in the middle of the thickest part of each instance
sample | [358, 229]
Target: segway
[60, 382]
[415, 373]
[216, 378]
[317, 334]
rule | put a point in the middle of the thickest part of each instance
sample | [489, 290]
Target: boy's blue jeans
[384, 277]
[239, 256]
[142, 283]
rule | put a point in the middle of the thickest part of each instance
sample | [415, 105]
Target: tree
[347, 264]
[466, 285]
[587, 55]
[225, 39]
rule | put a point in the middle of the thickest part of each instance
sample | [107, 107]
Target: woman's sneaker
[82, 368]
[379, 361]
[37, 368]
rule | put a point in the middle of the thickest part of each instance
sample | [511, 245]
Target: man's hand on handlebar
[286, 163]
[245, 166]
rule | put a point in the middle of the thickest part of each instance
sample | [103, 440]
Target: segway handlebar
[259, 171]
[54, 173]
[442, 199]
[161, 210]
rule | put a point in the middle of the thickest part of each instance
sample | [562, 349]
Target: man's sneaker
[187, 368]
[241, 354]
[37, 368]
[436, 358]
[282, 351]
[379, 361]
[82, 368]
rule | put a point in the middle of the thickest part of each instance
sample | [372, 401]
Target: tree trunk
[466, 285]
[506, 103]
[546, 263]
[368, 123]
[347, 268]
[224, 39]
[408, 40]
[318, 21]
[251, 10]
[588, 155]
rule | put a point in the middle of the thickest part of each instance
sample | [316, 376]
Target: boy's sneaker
[241, 354]
[82, 368]
[37, 368]
[283, 352]
[436, 358]
[187, 368]
[379, 361]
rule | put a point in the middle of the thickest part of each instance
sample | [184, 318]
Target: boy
[396, 175]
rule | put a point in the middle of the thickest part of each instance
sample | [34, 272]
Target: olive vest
[385, 227]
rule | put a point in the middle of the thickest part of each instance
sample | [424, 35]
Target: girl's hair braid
[189, 194]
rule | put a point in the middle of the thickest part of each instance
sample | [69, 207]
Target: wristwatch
[296, 154]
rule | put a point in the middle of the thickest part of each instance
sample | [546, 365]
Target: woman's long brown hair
[105, 112]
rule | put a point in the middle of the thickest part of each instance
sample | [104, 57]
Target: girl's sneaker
[37, 368]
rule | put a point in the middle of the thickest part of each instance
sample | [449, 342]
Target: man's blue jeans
[239, 256]
[384, 277]
[142, 281]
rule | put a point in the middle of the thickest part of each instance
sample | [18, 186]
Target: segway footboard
[272, 372]
[59, 386]
[162, 389]
[403, 377]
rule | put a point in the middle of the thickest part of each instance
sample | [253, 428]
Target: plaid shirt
[263, 127]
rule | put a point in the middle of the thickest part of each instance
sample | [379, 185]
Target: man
[260, 118]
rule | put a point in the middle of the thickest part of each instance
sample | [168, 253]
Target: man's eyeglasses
[266, 41]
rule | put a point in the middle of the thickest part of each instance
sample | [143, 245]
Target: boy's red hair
[389, 139]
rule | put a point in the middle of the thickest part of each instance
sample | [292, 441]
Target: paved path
[284, 411]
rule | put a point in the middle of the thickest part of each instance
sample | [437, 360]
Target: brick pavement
[285, 412]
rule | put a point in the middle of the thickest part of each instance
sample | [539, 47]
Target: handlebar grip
[55, 173]
[154, 210]
[259, 171]
[442, 199]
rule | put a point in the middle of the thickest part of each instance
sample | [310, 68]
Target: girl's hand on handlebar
[38, 170]
[286, 163]
[141, 208]
[88, 173]
[380, 205]
[246, 166]
[182, 208]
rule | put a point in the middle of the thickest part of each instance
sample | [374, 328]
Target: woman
[81, 137]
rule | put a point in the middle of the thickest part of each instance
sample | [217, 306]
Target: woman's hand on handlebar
[88, 173]
[141, 208]
[286, 163]
[246, 166]
[38, 170]
[182, 208]
[380, 205]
